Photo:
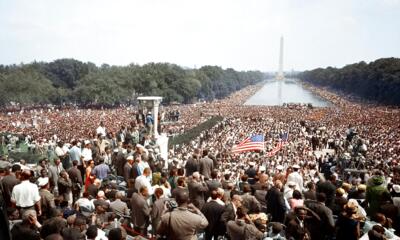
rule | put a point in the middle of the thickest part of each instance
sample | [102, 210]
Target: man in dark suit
[297, 228]
[213, 210]
[230, 209]
[54, 174]
[329, 189]
[158, 208]
[76, 178]
[326, 226]
[192, 165]
[206, 165]
[128, 168]
[197, 190]
[93, 188]
[119, 162]
[249, 201]
[140, 215]
[8, 182]
[118, 206]
[251, 172]
[276, 203]
[213, 183]
[310, 194]
[181, 187]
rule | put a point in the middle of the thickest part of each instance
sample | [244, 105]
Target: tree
[378, 81]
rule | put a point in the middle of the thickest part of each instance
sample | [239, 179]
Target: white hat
[129, 157]
[139, 146]
[296, 166]
[116, 150]
[43, 181]
[396, 188]
[262, 168]
[101, 194]
[252, 163]
[86, 142]
[279, 167]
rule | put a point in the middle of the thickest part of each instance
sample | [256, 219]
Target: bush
[194, 132]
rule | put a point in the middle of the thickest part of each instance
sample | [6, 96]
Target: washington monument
[280, 75]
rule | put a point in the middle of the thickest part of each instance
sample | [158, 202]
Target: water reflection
[275, 93]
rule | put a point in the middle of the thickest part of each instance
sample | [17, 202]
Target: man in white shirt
[143, 181]
[25, 195]
[101, 130]
[87, 152]
[59, 150]
[61, 154]
[296, 178]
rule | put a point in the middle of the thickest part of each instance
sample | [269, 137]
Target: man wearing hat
[46, 197]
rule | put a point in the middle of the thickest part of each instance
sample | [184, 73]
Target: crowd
[337, 175]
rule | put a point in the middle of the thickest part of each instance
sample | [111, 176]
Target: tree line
[377, 81]
[72, 81]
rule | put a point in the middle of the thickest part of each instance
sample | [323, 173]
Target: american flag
[254, 143]
[282, 142]
[285, 137]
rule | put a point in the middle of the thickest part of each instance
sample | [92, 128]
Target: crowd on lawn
[336, 174]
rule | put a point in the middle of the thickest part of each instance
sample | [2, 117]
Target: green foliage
[69, 80]
[25, 85]
[377, 81]
[194, 132]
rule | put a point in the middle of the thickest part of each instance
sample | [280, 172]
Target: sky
[239, 34]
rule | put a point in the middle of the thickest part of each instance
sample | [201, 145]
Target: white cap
[139, 146]
[129, 157]
[279, 167]
[252, 163]
[101, 194]
[262, 168]
[396, 188]
[86, 142]
[43, 181]
[296, 166]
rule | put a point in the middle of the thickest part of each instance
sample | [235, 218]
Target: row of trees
[377, 81]
[72, 81]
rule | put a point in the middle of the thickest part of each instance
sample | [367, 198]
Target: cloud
[243, 34]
